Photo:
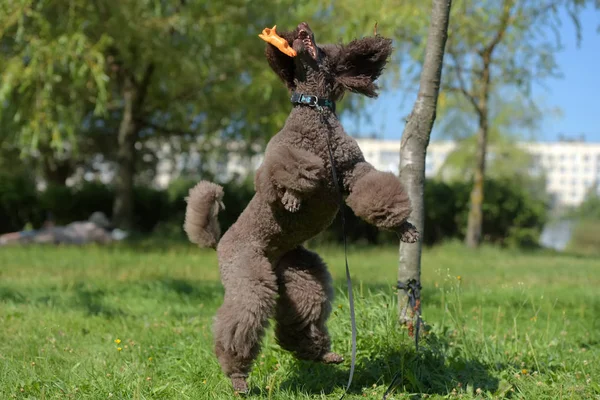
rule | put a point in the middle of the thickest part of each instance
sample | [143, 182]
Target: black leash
[413, 291]
[348, 278]
[318, 104]
[412, 288]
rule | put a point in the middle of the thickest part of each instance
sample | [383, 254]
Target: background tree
[496, 45]
[121, 78]
[510, 123]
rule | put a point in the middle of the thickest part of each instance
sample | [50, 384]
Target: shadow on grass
[200, 290]
[92, 301]
[97, 299]
[10, 295]
[428, 372]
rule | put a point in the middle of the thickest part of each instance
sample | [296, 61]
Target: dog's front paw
[290, 201]
[408, 233]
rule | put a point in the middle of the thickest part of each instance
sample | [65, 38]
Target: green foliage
[64, 63]
[444, 205]
[511, 327]
[496, 51]
[505, 158]
[515, 33]
[512, 215]
[18, 201]
[53, 74]
[585, 238]
[590, 208]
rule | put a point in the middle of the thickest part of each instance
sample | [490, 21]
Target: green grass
[514, 325]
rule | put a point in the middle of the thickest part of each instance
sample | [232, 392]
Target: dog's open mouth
[308, 43]
[304, 41]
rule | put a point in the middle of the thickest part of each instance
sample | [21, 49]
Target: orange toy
[270, 35]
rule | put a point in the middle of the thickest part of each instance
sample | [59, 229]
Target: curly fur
[379, 199]
[264, 269]
[203, 204]
[304, 304]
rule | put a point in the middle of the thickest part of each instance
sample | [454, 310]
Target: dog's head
[330, 70]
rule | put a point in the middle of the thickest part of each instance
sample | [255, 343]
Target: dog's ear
[282, 64]
[361, 62]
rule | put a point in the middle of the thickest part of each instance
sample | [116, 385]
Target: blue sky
[576, 93]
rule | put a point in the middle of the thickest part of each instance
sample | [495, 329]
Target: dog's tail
[203, 205]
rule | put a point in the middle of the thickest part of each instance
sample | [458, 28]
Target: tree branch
[462, 84]
[143, 86]
[502, 27]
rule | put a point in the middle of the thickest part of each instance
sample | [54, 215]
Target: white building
[571, 167]
[385, 154]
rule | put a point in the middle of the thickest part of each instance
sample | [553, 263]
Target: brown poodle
[265, 270]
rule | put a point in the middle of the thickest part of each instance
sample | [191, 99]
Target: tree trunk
[134, 95]
[415, 140]
[475, 221]
[123, 204]
[56, 171]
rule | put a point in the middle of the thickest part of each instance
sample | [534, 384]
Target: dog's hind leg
[303, 306]
[250, 297]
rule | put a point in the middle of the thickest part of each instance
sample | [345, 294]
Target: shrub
[151, 206]
[512, 216]
[444, 204]
[585, 238]
[18, 202]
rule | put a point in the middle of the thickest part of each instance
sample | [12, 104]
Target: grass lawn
[135, 322]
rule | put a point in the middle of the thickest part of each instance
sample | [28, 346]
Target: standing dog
[265, 270]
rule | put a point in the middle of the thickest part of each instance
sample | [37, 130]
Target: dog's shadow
[429, 371]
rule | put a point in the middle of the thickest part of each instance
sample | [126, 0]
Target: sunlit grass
[135, 322]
